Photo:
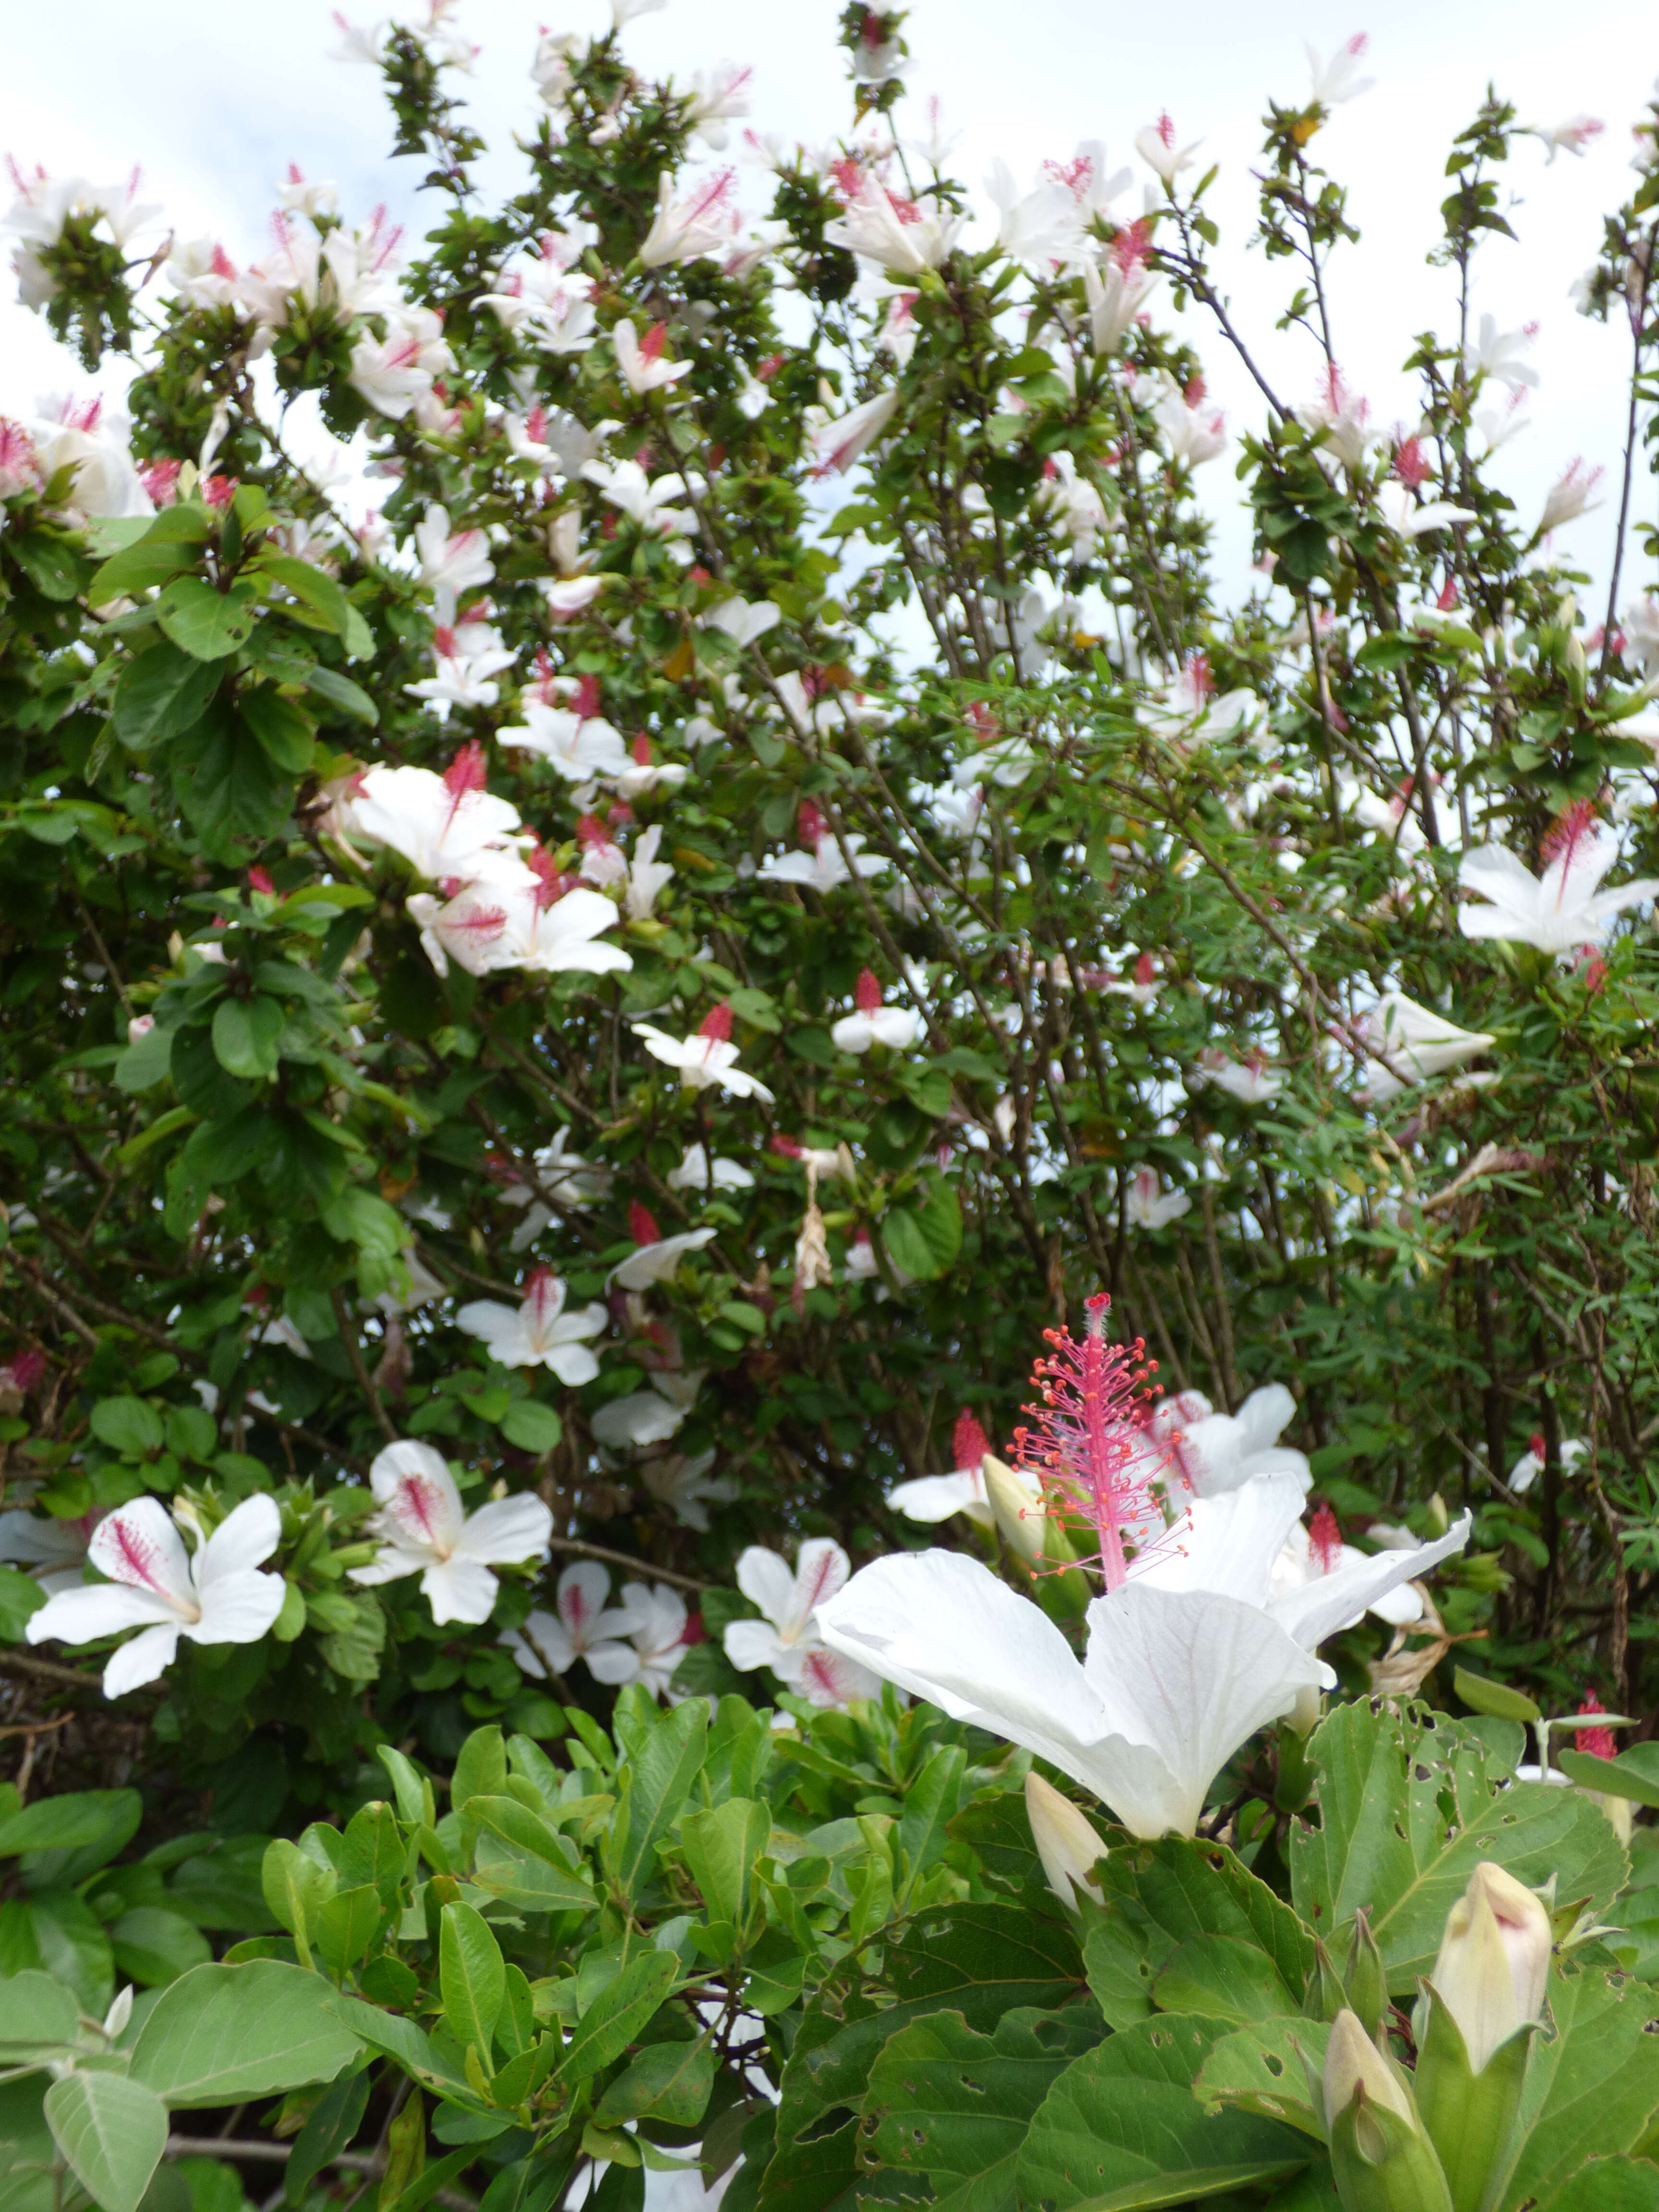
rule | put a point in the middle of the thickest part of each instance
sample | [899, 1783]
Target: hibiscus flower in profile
[538, 1333]
[216, 1596]
[423, 1530]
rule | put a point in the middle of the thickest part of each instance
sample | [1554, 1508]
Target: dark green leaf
[162, 692]
[207, 624]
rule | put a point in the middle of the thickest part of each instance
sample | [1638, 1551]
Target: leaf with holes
[1592, 2087]
[956, 2106]
[1263, 2068]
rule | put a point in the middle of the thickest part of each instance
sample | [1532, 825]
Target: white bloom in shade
[1251, 1081]
[1158, 149]
[1172, 1682]
[539, 1333]
[718, 96]
[1194, 431]
[1339, 419]
[630, 1424]
[463, 675]
[645, 775]
[823, 866]
[1116, 295]
[1005, 764]
[1066, 1841]
[1338, 78]
[743, 620]
[53, 1551]
[656, 1643]
[202, 273]
[1563, 910]
[837, 445]
[396, 372]
[687, 1488]
[564, 936]
[451, 561]
[88, 438]
[684, 230]
[1640, 626]
[895, 1027]
[707, 1060]
[443, 825]
[422, 1531]
[1415, 1042]
[892, 232]
[1316, 1549]
[578, 747]
[217, 1597]
[640, 359]
[1411, 518]
[1214, 1453]
[1530, 1465]
[646, 875]
[935, 1496]
[786, 1640]
[569, 595]
[1494, 1961]
[1146, 1208]
[650, 503]
[655, 1257]
[586, 1627]
[694, 1172]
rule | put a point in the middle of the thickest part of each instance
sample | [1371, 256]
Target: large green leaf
[161, 694]
[472, 1976]
[1608, 2184]
[1593, 2087]
[106, 1818]
[34, 2008]
[112, 2131]
[220, 2034]
[228, 786]
[208, 624]
[1121, 2128]
[152, 1945]
[170, 545]
[1408, 1805]
[615, 2016]
[653, 1786]
[956, 2106]
[1262, 2067]
[1160, 1896]
[522, 1859]
[978, 1960]
[246, 1035]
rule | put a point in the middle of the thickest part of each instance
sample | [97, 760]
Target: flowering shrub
[635, 842]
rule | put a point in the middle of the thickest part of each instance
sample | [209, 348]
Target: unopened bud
[1367, 1984]
[1354, 2066]
[1065, 1840]
[1017, 1502]
[1381, 2159]
[1494, 1960]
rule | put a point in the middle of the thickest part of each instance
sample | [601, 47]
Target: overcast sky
[213, 98]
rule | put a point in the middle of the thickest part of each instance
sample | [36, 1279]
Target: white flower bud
[1494, 1960]
[1016, 1501]
[119, 2013]
[1352, 2062]
[1065, 1840]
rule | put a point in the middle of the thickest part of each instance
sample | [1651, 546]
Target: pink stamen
[968, 1444]
[1325, 1540]
[867, 993]
[1596, 1741]
[716, 1023]
[1088, 1451]
[642, 1224]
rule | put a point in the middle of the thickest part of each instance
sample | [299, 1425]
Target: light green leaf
[1592, 2087]
[1222, 1977]
[720, 1847]
[1495, 1699]
[34, 2008]
[471, 1976]
[113, 2132]
[530, 1426]
[659, 1778]
[220, 2034]
[1120, 2129]
[87, 1816]
[667, 2082]
[152, 1945]
[1259, 2069]
[206, 624]
[246, 1034]
[618, 2015]
[345, 1926]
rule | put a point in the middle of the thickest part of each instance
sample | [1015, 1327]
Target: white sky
[214, 97]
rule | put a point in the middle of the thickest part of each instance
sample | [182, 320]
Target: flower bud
[1354, 2066]
[1066, 1841]
[1367, 1984]
[1017, 1502]
[1494, 1960]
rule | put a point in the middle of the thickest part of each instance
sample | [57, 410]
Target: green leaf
[1495, 1699]
[530, 1426]
[245, 1032]
[527, 1878]
[1633, 1774]
[471, 1976]
[221, 2034]
[980, 1961]
[51, 562]
[57, 1928]
[481, 1769]
[956, 2106]
[224, 780]
[616, 2015]
[1121, 2128]
[112, 2130]
[346, 1926]
[668, 2082]
[1408, 1808]
[333, 2120]
[152, 1945]
[340, 691]
[284, 729]
[20, 1596]
[1160, 1896]
[1221, 1978]
[1608, 2184]
[906, 1245]
[162, 692]
[206, 624]
[720, 1847]
[102, 1817]
[1259, 2069]
[34, 2008]
[170, 544]
[324, 597]
[658, 1779]
[147, 1061]
[373, 1851]
[1593, 2086]
[126, 1424]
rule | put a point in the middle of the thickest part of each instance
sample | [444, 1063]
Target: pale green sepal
[1382, 2164]
[1471, 2118]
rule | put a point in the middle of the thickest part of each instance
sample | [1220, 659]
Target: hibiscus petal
[1336, 1600]
[245, 1538]
[238, 1608]
[139, 1544]
[751, 1643]
[141, 1660]
[1229, 1543]
[508, 1529]
[459, 1589]
[766, 1581]
[419, 1502]
[76, 1616]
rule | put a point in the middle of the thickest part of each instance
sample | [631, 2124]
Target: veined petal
[1319, 1608]
[750, 1644]
[244, 1539]
[571, 1363]
[1194, 1675]
[389, 1565]
[613, 1664]
[138, 1545]
[238, 1608]
[584, 1591]
[77, 1616]
[142, 1659]
[420, 1505]
[543, 1641]
[508, 1529]
[1229, 1543]
[936, 1497]
[765, 1580]
[459, 1590]
[821, 1569]
[1264, 1415]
